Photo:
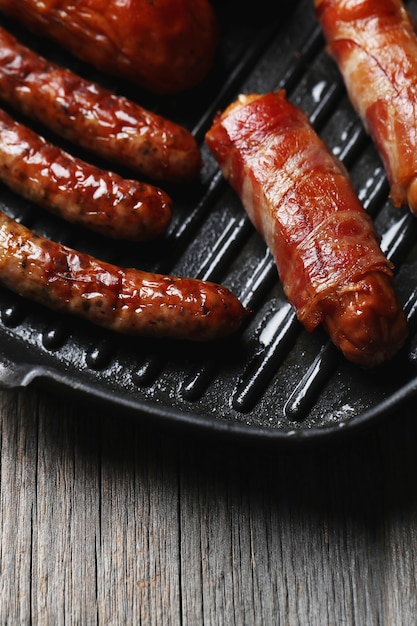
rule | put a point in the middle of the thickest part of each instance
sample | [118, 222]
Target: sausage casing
[375, 47]
[166, 46]
[98, 120]
[77, 191]
[301, 200]
[123, 300]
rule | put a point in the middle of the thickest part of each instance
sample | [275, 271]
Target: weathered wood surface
[106, 522]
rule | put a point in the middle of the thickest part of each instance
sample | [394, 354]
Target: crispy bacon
[375, 46]
[302, 201]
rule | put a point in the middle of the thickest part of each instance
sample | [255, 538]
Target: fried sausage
[166, 46]
[98, 120]
[375, 47]
[123, 300]
[301, 200]
[77, 191]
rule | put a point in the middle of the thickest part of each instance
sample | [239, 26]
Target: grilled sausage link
[77, 191]
[375, 47]
[109, 125]
[166, 46]
[301, 200]
[124, 300]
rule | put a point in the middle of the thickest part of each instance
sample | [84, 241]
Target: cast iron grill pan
[272, 380]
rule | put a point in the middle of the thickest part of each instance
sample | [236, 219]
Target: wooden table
[106, 522]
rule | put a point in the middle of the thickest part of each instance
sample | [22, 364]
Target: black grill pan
[272, 381]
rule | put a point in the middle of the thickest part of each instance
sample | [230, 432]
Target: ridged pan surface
[272, 380]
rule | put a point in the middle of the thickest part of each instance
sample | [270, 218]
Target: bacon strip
[375, 46]
[125, 300]
[102, 122]
[302, 202]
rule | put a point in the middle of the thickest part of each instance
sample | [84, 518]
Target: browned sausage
[98, 120]
[124, 300]
[302, 201]
[77, 191]
[166, 46]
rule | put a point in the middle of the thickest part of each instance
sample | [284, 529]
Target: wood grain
[106, 521]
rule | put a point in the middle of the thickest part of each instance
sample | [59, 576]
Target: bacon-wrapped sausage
[124, 300]
[98, 120]
[375, 47]
[77, 191]
[166, 46]
[301, 200]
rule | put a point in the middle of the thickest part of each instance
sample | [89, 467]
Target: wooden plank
[17, 505]
[104, 521]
